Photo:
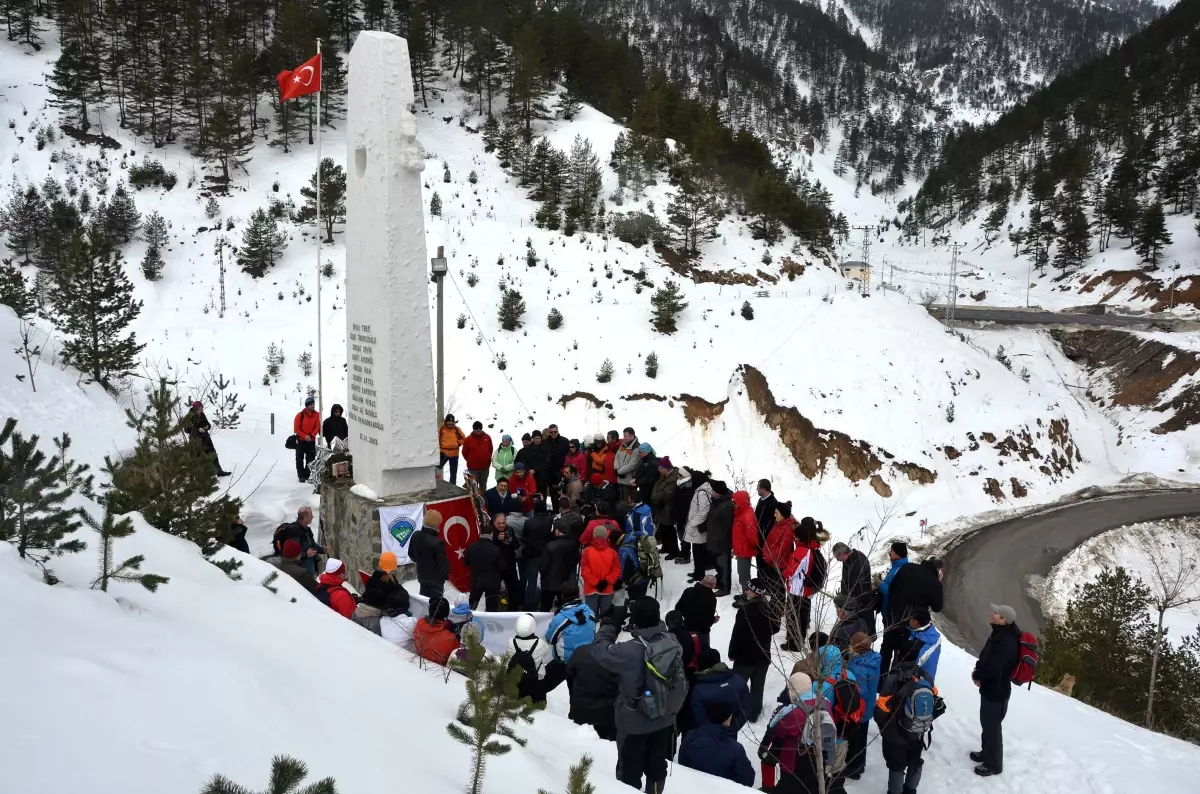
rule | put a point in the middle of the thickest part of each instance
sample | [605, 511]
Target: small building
[859, 271]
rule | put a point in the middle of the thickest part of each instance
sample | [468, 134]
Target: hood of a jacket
[741, 500]
[599, 542]
[330, 579]
[718, 672]
[336, 407]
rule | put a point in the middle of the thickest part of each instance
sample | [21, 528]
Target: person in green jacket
[504, 458]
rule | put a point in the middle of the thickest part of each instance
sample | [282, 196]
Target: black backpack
[279, 538]
[819, 570]
[523, 658]
[323, 594]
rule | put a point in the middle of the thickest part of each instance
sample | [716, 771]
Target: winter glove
[602, 585]
[615, 617]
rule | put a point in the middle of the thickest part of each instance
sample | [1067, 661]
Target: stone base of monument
[350, 524]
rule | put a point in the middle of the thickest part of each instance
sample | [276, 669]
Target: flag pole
[320, 233]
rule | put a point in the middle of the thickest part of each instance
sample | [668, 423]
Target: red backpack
[1027, 660]
[848, 704]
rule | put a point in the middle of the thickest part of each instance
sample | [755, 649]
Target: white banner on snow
[498, 627]
[397, 525]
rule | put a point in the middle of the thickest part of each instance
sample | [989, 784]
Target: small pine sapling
[950, 413]
[305, 362]
[1003, 358]
[212, 209]
[1025, 374]
[274, 359]
[577, 778]
[652, 365]
[554, 319]
[501, 362]
[287, 774]
[473, 177]
[512, 308]
[747, 310]
[435, 205]
[472, 279]
[606, 371]
[446, 172]
[668, 304]
[461, 322]
[269, 581]
[129, 570]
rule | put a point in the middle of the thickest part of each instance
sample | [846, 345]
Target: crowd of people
[583, 530]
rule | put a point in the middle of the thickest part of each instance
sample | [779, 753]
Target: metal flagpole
[320, 232]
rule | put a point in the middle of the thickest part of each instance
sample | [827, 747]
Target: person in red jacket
[523, 485]
[330, 591]
[477, 452]
[745, 535]
[600, 568]
[307, 426]
[798, 578]
[433, 639]
[777, 550]
[610, 457]
[577, 458]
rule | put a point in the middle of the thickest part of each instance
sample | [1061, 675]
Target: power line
[953, 286]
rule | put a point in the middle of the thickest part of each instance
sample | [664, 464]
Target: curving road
[1007, 316]
[993, 565]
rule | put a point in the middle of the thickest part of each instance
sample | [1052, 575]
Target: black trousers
[991, 716]
[306, 453]
[430, 590]
[856, 760]
[548, 599]
[756, 676]
[645, 754]
[904, 764]
[894, 642]
[798, 619]
[491, 599]
[701, 559]
[453, 461]
[723, 564]
[670, 540]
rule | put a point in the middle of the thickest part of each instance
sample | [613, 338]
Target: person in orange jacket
[450, 438]
[330, 591]
[745, 535]
[610, 457]
[523, 485]
[477, 452]
[433, 639]
[307, 426]
[600, 568]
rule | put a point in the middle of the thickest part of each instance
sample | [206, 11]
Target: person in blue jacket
[864, 664]
[715, 681]
[894, 636]
[713, 747]
[925, 643]
[572, 626]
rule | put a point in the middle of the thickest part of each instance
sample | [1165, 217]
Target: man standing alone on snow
[993, 675]
[307, 426]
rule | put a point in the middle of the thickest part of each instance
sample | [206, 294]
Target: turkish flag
[305, 79]
[459, 529]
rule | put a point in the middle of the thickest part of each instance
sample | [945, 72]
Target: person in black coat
[689, 644]
[335, 426]
[557, 447]
[593, 690]
[750, 644]
[698, 608]
[569, 521]
[914, 587]
[993, 675]
[601, 495]
[537, 460]
[537, 532]
[428, 553]
[500, 500]
[237, 536]
[485, 560]
[645, 476]
[764, 512]
[557, 564]
[197, 428]
[856, 584]
[718, 541]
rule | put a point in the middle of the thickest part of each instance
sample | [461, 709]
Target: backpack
[371, 623]
[819, 570]
[666, 684]
[1027, 660]
[819, 730]
[847, 701]
[523, 658]
[913, 703]
[647, 557]
[324, 594]
[696, 649]
[279, 538]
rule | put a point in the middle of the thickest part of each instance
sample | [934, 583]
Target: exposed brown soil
[698, 409]
[683, 266]
[790, 267]
[104, 141]
[951, 452]
[765, 276]
[1186, 288]
[992, 488]
[658, 398]
[1019, 490]
[581, 395]
[988, 437]
[1141, 371]
[881, 487]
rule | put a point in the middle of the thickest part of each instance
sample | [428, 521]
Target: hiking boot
[721, 593]
[787, 646]
[977, 756]
[683, 559]
[983, 771]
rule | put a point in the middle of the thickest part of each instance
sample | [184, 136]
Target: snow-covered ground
[1156, 552]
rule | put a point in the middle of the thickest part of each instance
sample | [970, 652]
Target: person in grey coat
[697, 523]
[626, 462]
[644, 745]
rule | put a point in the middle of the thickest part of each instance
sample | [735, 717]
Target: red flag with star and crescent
[305, 79]
[459, 529]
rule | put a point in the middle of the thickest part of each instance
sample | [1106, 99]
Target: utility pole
[864, 284]
[953, 286]
[222, 242]
[440, 268]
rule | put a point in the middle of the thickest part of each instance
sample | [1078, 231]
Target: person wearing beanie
[428, 552]
[289, 563]
[197, 428]
[536, 458]
[714, 681]
[504, 457]
[531, 653]
[611, 446]
[463, 623]
[856, 585]
[697, 522]
[523, 485]
[713, 746]
[601, 494]
[600, 569]
[750, 644]
[331, 590]
[450, 438]
[384, 580]
[681, 504]
[596, 457]
[570, 523]
[498, 499]
[477, 453]
[557, 447]
[306, 426]
[893, 636]
[662, 498]
[432, 638]
[864, 665]
[644, 737]
[697, 605]
[912, 588]
[485, 560]
[924, 643]
[646, 474]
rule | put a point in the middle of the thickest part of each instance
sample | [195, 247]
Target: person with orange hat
[384, 578]
[331, 589]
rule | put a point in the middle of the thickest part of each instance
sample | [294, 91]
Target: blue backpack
[913, 702]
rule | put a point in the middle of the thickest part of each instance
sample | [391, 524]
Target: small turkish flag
[304, 80]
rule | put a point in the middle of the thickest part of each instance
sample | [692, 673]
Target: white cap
[333, 566]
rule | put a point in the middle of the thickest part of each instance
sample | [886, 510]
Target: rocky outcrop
[581, 395]
[698, 409]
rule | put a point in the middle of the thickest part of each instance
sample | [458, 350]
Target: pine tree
[263, 243]
[491, 134]
[228, 139]
[995, 219]
[422, 50]
[1074, 240]
[606, 371]
[286, 776]
[435, 205]
[528, 84]
[652, 365]
[24, 219]
[577, 778]
[152, 264]
[554, 319]
[93, 309]
[171, 480]
[512, 308]
[694, 211]
[333, 197]
[73, 84]
[668, 304]
[486, 66]
[129, 570]
[747, 310]
[33, 495]
[62, 224]
[154, 230]
[13, 292]
[1151, 234]
[122, 219]
[582, 183]
[568, 105]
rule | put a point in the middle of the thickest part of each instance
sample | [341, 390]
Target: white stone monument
[393, 432]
